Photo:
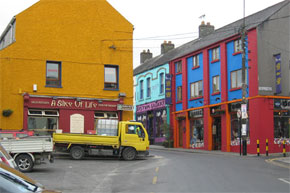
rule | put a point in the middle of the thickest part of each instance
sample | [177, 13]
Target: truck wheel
[129, 153]
[77, 152]
[24, 163]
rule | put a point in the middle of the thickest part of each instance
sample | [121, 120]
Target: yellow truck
[126, 139]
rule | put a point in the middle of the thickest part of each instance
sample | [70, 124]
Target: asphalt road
[164, 172]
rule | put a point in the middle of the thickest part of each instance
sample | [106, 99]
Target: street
[164, 171]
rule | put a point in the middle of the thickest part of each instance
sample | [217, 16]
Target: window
[135, 129]
[8, 36]
[281, 124]
[238, 45]
[215, 54]
[148, 88]
[196, 89]
[161, 78]
[179, 94]
[53, 74]
[42, 122]
[236, 79]
[111, 77]
[195, 61]
[178, 66]
[141, 90]
[216, 84]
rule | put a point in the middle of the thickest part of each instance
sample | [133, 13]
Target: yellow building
[63, 64]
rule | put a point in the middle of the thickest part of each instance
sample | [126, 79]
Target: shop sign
[244, 111]
[150, 106]
[281, 103]
[217, 111]
[168, 89]
[196, 113]
[122, 107]
[278, 73]
[62, 103]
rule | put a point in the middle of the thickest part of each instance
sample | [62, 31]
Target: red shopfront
[44, 114]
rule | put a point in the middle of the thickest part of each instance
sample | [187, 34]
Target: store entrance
[216, 134]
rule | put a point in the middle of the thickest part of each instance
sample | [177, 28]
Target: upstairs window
[161, 78]
[216, 84]
[8, 36]
[179, 94]
[236, 79]
[215, 54]
[238, 46]
[141, 90]
[178, 66]
[196, 89]
[53, 74]
[111, 77]
[195, 61]
[148, 88]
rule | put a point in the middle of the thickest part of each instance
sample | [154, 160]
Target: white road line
[283, 180]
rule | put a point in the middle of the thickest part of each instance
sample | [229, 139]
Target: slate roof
[222, 33]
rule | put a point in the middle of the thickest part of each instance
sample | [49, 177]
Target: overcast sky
[158, 20]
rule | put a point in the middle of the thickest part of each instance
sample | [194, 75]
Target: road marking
[157, 169]
[154, 181]
[283, 180]
[272, 161]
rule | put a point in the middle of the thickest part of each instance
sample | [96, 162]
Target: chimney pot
[165, 47]
[205, 30]
[145, 56]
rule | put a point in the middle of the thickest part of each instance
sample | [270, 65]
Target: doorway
[180, 134]
[216, 134]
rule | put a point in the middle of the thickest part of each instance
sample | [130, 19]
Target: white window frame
[215, 54]
[195, 61]
[179, 94]
[216, 84]
[238, 46]
[178, 67]
[196, 89]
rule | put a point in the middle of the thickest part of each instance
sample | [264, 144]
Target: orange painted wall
[77, 33]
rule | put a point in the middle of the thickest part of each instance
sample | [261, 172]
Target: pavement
[275, 158]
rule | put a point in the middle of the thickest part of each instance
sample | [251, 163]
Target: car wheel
[129, 153]
[77, 152]
[24, 163]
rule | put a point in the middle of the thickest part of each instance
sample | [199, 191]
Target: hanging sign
[168, 89]
[278, 73]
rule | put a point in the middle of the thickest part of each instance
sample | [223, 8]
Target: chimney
[166, 46]
[145, 56]
[205, 30]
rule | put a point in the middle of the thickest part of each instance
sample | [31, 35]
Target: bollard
[258, 147]
[267, 148]
[284, 148]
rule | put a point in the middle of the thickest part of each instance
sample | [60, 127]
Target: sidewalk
[276, 158]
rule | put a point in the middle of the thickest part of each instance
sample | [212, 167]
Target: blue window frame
[148, 88]
[141, 90]
[161, 78]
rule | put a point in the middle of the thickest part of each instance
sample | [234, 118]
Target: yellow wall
[76, 33]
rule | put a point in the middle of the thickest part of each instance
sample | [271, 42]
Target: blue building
[149, 85]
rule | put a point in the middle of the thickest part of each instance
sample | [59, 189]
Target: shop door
[150, 127]
[216, 134]
[180, 133]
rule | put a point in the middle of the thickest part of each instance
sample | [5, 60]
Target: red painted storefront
[66, 107]
[261, 109]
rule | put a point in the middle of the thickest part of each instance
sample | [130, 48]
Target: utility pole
[244, 86]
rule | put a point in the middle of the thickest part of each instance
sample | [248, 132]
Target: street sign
[239, 113]
[244, 111]
[244, 130]
[121, 107]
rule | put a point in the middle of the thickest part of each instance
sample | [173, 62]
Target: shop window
[179, 94]
[215, 84]
[161, 78]
[196, 89]
[53, 74]
[148, 88]
[111, 77]
[196, 133]
[282, 124]
[178, 66]
[42, 122]
[238, 46]
[106, 115]
[215, 54]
